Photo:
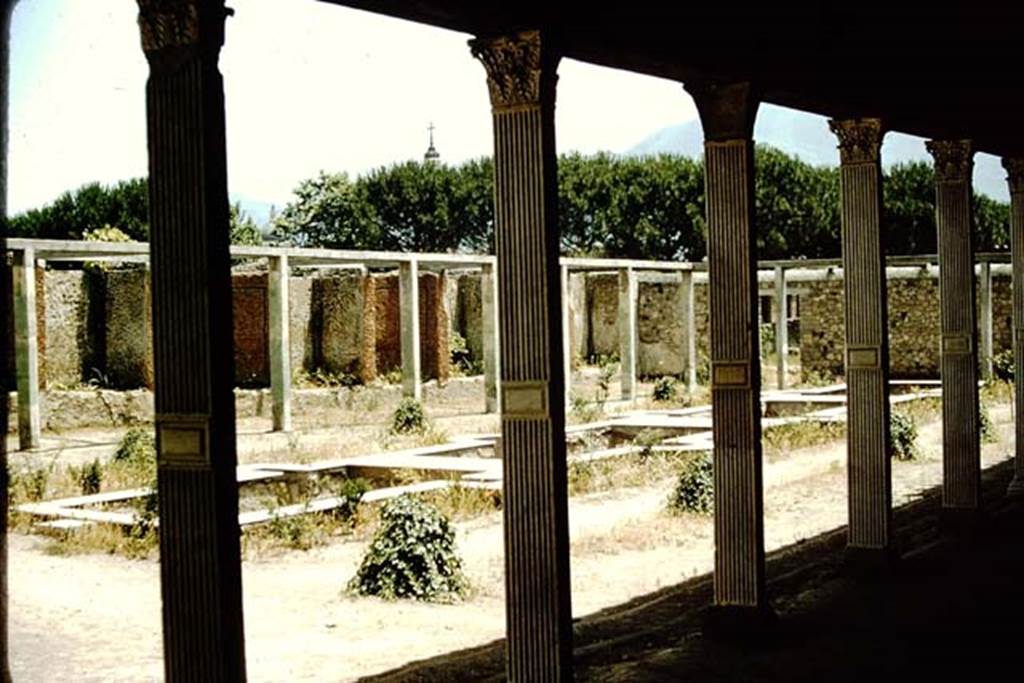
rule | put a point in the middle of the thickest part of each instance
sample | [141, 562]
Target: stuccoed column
[961, 451]
[727, 114]
[521, 79]
[6, 6]
[689, 329]
[1015, 179]
[192, 341]
[869, 469]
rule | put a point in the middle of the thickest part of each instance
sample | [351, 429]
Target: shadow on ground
[951, 608]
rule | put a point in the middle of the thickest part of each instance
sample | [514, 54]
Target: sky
[308, 86]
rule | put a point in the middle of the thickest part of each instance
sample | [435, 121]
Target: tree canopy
[123, 206]
[608, 206]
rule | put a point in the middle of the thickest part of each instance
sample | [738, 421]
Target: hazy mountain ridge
[807, 136]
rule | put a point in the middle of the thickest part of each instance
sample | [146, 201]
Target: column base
[733, 622]
[1016, 487]
[965, 524]
[870, 563]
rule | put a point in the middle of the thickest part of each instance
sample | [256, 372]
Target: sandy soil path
[97, 618]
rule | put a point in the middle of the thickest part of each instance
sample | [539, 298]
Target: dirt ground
[97, 618]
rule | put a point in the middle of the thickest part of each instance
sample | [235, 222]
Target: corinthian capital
[1014, 174]
[954, 159]
[172, 28]
[859, 140]
[518, 68]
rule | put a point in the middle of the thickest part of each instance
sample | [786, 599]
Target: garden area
[370, 583]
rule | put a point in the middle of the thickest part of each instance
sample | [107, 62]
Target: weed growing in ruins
[1003, 365]
[137, 447]
[903, 437]
[986, 430]
[88, 477]
[412, 555]
[462, 361]
[582, 410]
[666, 389]
[408, 417]
[779, 440]
[695, 490]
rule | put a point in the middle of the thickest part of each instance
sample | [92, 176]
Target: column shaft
[489, 334]
[727, 114]
[627, 333]
[781, 327]
[1015, 179]
[409, 328]
[192, 342]
[869, 469]
[521, 80]
[280, 352]
[26, 349]
[961, 452]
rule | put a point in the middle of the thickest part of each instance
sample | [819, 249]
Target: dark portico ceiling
[939, 72]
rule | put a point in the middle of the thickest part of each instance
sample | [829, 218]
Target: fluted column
[961, 453]
[192, 341]
[869, 469]
[1015, 179]
[727, 114]
[521, 79]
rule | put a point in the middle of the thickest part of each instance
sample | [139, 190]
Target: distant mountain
[807, 136]
[258, 209]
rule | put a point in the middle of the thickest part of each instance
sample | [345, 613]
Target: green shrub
[89, 477]
[903, 437]
[665, 389]
[408, 417]
[412, 555]
[695, 490]
[137, 447]
[350, 492]
[461, 358]
[1003, 365]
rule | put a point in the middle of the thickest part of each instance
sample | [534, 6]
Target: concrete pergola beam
[780, 313]
[280, 356]
[627, 328]
[489, 337]
[26, 349]
[409, 330]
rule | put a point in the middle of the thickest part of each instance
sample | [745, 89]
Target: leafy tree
[243, 227]
[329, 211]
[124, 205]
[411, 206]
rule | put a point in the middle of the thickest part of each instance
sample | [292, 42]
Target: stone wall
[339, 299]
[73, 352]
[660, 348]
[914, 327]
[301, 332]
[251, 329]
[128, 329]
